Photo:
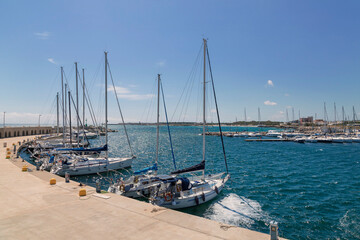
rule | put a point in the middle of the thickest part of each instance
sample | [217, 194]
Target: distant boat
[273, 133]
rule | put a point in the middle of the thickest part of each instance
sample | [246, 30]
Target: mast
[259, 117]
[326, 117]
[335, 113]
[287, 116]
[354, 114]
[62, 98]
[83, 122]
[65, 107]
[57, 113]
[77, 104]
[245, 114]
[106, 124]
[157, 124]
[204, 102]
[293, 115]
[70, 118]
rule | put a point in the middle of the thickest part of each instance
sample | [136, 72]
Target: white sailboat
[181, 192]
[83, 165]
[140, 184]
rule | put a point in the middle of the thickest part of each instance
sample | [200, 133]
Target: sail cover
[81, 149]
[197, 167]
[153, 167]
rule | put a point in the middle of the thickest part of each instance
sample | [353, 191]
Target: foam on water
[350, 223]
[235, 210]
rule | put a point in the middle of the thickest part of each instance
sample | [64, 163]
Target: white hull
[197, 195]
[91, 166]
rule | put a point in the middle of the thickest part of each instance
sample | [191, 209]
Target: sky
[273, 55]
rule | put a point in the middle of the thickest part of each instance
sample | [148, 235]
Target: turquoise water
[311, 190]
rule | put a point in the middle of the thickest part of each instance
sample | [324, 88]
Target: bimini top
[197, 167]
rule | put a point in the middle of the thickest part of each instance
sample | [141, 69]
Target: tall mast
[62, 97]
[287, 116]
[106, 124]
[57, 113]
[77, 104]
[259, 117]
[354, 114]
[293, 115]
[65, 107]
[325, 114]
[245, 114]
[335, 113]
[204, 102]
[83, 122]
[70, 118]
[157, 124]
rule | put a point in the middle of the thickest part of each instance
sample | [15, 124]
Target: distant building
[319, 122]
[307, 120]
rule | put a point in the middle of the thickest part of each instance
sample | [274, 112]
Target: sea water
[312, 190]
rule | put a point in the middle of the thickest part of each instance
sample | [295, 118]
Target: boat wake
[235, 210]
[350, 224]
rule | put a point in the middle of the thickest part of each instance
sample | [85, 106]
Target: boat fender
[168, 196]
[196, 200]
[216, 190]
[203, 196]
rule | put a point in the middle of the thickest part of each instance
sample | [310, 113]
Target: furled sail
[197, 167]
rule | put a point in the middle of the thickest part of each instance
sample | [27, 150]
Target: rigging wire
[122, 117]
[167, 123]
[217, 111]
[188, 83]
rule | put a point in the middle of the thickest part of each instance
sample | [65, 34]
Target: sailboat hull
[92, 166]
[197, 195]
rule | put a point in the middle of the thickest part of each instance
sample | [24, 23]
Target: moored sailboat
[181, 192]
[83, 165]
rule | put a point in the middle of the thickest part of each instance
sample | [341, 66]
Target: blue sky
[310, 50]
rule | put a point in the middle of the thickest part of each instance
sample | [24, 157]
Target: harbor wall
[7, 132]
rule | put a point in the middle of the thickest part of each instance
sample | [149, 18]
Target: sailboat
[140, 184]
[83, 165]
[181, 192]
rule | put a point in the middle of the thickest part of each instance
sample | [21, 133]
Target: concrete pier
[31, 208]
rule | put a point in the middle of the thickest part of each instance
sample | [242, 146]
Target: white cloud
[42, 35]
[125, 93]
[51, 60]
[161, 63]
[119, 90]
[286, 95]
[278, 116]
[269, 103]
[136, 96]
[270, 83]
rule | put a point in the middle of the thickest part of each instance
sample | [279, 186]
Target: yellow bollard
[82, 192]
[52, 181]
[7, 156]
[7, 149]
[8, 153]
[24, 168]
